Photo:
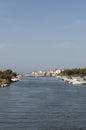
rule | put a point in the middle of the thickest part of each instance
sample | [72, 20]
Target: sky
[42, 34]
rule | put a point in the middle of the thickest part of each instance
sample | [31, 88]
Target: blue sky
[42, 34]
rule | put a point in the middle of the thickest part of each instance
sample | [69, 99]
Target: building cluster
[46, 73]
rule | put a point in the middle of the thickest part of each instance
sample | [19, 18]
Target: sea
[42, 103]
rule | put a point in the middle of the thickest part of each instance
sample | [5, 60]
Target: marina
[73, 80]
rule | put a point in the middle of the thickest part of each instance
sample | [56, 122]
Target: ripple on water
[42, 104]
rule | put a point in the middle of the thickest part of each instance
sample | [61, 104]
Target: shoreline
[73, 80]
[4, 84]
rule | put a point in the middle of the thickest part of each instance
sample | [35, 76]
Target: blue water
[42, 104]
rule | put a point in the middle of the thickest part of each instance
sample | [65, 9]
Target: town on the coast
[74, 76]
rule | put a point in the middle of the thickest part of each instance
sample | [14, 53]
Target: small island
[7, 77]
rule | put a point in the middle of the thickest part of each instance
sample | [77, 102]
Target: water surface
[42, 104]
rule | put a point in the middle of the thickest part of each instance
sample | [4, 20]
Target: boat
[78, 81]
[15, 79]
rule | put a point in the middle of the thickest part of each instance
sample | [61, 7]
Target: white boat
[78, 81]
[15, 79]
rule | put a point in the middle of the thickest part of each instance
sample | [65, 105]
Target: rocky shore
[7, 77]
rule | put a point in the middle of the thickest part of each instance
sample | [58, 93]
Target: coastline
[7, 77]
[73, 80]
[6, 83]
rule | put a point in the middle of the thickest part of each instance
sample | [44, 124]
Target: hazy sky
[42, 34]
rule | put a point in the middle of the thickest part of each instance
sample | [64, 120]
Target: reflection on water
[42, 104]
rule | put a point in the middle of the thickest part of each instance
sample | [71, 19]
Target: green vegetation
[6, 76]
[74, 72]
